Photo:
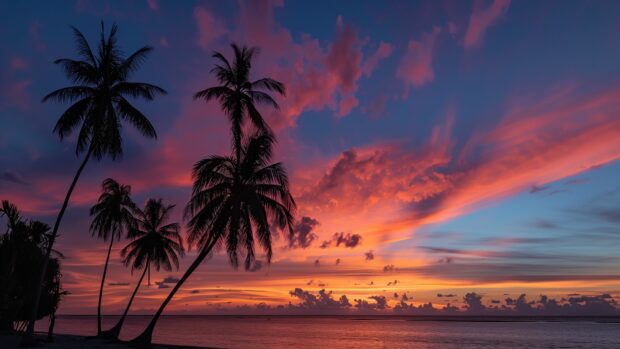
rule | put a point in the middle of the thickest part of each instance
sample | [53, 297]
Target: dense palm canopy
[113, 212]
[99, 96]
[112, 215]
[98, 106]
[156, 242]
[239, 96]
[233, 202]
[22, 250]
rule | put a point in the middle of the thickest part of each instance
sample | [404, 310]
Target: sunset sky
[434, 148]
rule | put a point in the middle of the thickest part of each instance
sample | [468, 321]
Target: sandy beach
[63, 341]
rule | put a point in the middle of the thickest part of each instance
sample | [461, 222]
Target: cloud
[536, 189]
[12, 177]
[347, 240]
[337, 261]
[483, 18]
[323, 301]
[389, 268]
[369, 255]
[380, 303]
[153, 5]
[194, 291]
[435, 182]
[416, 66]
[449, 295]
[383, 51]
[209, 28]
[118, 283]
[302, 233]
[392, 283]
[167, 280]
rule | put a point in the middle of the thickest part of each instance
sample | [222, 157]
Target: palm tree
[156, 242]
[113, 215]
[231, 206]
[237, 95]
[99, 104]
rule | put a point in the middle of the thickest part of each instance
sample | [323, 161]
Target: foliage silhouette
[112, 215]
[99, 104]
[22, 249]
[232, 205]
[156, 243]
[238, 95]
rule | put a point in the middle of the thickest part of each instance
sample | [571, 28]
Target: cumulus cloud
[370, 255]
[347, 240]
[321, 301]
[449, 295]
[303, 235]
[380, 303]
[482, 18]
[389, 268]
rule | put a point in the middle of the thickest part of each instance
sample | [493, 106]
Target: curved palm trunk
[105, 271]
[37, 295]
[144, 339]
[115, 331]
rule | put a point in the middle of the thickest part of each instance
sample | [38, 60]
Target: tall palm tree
[112, 216]
[231, 206]
[156, 243]
[99, 104]
[238, 95]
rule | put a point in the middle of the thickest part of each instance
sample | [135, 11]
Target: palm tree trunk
[37, 295]
[144, 339]
[105, 271]
[115, 331]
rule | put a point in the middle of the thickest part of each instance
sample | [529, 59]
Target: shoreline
[70, 341]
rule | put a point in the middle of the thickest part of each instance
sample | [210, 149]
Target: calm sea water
[358, 332]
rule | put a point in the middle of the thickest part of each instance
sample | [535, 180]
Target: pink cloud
[483, 18]
[18, 63]
[393, 188]
[318, 76]
[383, 51]
[153, 4]
[209, 28]
[416, 66]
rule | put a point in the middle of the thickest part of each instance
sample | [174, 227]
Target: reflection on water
[358, 332]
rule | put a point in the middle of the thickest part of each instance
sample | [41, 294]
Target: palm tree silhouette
[156, 242]
[237, 95]
[113, 215]
[99, 104]
[232, 204]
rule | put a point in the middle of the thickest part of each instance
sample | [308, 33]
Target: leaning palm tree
[113, 216]
[238, 95]
[156, 243]
[99, 104]
[231, 206]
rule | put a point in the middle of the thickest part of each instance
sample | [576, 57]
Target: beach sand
[63, 341]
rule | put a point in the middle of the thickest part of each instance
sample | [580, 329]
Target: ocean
[359, 332]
